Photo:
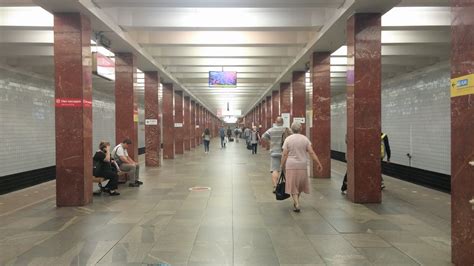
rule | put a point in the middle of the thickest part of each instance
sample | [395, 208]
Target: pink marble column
[168, 121]
[73, 109]
[275, 105]
[321, 134]
[462, 130]
[198, 125]
[152, 120]
[364, 108]
[193, 124]
[187, 123]
[178, 119]
[285, 99]
[263, 115]
[298, 105]
[269, 112]
[126, 110]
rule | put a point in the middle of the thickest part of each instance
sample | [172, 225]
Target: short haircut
[279, 121]
[127, 141]
[296, 127]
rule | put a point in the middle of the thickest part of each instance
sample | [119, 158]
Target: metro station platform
[237, 222]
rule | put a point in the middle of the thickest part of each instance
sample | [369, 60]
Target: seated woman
[103, 168]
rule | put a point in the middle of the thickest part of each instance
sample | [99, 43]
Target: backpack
[382, 146]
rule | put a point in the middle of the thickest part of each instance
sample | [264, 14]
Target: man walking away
[254, 139]
[222, 135]
[384, 151]
[274, 137]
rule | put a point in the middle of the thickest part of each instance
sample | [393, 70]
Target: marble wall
[27, 119]
[415, 115]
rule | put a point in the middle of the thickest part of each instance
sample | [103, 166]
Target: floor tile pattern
[237, 222]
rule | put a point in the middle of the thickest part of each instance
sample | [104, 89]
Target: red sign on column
[72, 102]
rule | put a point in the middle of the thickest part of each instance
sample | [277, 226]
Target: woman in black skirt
[103, 168]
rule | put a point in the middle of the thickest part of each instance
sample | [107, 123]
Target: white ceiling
[263, 40]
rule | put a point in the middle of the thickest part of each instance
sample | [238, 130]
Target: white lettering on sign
[151, 122]
[299, 119]
[178, 124]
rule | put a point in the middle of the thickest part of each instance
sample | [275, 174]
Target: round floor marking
[199, 188]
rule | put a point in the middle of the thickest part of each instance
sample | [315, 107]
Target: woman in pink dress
[296, 149]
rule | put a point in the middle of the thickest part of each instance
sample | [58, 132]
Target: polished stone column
[259, 115]
[285, 99]
[168, 121]
[126, 110]
[263, 115]
[298, 105]
[73, 111]
[152, 120]
[462, 130]
[364, 107]
[269, 112]
[193, 124]
[198, 125]
[187, 123]
[321, 134]
[178, 121]
[275, 105]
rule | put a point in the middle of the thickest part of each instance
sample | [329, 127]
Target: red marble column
[364, 107]
[168, 121]
[198, 124]
[263, 115]
[187, 123]
[73, 111]
[275, 105]
[462, 130]
[152, 120]
[179, 121]
[269, 112]
[321, 135]
[285, 99]
[126, 110]
[259, 115]
[298, 107]
[193, 124]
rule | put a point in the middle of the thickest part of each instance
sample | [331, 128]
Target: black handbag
[280, 188]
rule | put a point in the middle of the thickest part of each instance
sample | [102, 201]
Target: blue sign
[462, 83]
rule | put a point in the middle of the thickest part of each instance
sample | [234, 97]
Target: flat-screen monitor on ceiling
[223, 79]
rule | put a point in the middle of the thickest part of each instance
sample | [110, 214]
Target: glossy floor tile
[237, 222]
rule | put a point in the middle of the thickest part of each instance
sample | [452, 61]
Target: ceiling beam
[223, 51]
[134, 18]
[222, 4]
[233, 38]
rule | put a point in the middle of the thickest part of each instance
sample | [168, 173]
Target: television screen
[223, 79]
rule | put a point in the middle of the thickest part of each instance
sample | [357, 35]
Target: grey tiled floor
[238, 222]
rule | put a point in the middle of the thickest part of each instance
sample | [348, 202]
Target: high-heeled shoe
[296, 209]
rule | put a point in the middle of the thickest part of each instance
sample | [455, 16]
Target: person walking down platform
[222, 135]
[254, 139]
[274, 136]
[385, 151]
[294, 162]
[206, 136]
